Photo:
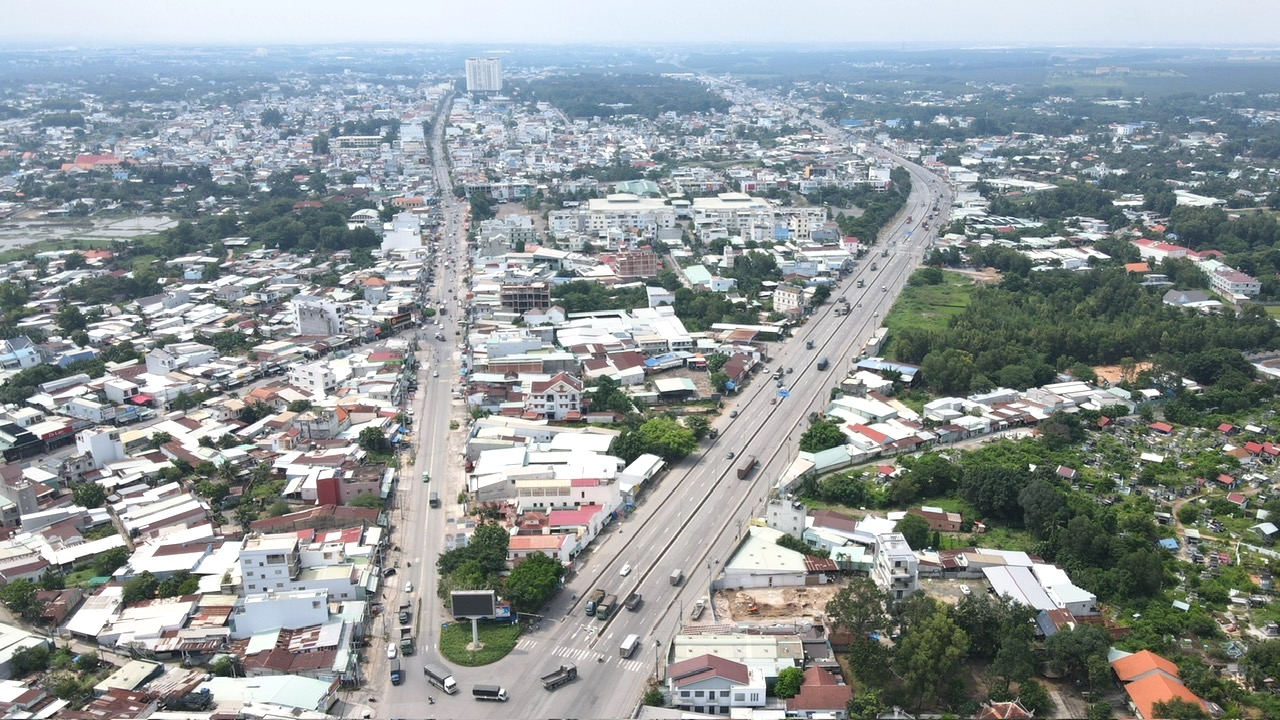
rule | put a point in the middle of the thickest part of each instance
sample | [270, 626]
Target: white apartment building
[275, 563]
[484, 74]
[316, 316]
[314, 378]
[620, 211]
[788, 299]
[895, 569]
[1229, 282]
[101, 444]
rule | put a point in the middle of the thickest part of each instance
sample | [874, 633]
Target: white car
[435, 373]
[391, 652]
[625, 571]
[964, 590]
[408, 587]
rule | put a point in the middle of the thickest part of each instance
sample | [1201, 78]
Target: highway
[690, 520]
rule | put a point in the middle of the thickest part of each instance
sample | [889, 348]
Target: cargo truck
[397, 677]
[441, 677]
[698, 608]
[633, 601]
[605, 607]
[593, 600]
[746, 467]
[407, 643]
[564, 675]
[492, 693]
[629, 645]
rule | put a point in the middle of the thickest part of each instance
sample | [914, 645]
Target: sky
[953, 23]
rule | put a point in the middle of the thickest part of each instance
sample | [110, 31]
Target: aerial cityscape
[463, 367]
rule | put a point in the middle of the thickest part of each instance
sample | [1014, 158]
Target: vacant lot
[930, 307]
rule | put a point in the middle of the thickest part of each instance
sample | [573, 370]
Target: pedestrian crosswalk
[584, 655]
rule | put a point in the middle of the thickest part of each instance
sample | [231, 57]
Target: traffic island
[496, 640]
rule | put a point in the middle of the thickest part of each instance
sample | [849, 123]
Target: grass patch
[78, 578]
[1273, 311]
[498, 640]
[930, 307]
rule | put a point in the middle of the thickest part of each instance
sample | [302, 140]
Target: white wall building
[484, 74]
[896, 568]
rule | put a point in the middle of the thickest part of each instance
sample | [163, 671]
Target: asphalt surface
[691, 520]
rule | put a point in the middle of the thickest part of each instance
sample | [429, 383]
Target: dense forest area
[1019, 333]
[608, 95]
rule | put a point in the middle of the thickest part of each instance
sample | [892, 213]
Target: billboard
[474, 603]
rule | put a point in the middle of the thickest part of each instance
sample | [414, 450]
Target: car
[391, 652]
[773, 401]
[405, 617]
[408, 587]
[733, 413]
[435, 373]
[964, 590]
[626, 570]
[730, 455]
[388, 572]
[789, 370]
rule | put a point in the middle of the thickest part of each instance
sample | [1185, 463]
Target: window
[739, 697]
[697, 693]
[684, 693]
[275, 559]
[724, 694]
[279, 584]
[755, 697]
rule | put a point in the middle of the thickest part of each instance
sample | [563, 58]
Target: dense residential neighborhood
[812, 399]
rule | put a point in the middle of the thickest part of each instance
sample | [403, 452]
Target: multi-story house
[555, 399]
[896, 569]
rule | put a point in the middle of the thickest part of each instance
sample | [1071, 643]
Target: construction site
[786, 604]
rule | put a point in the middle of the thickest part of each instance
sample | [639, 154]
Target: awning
[141, 399]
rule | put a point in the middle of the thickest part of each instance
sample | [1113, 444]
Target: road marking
[526, 644]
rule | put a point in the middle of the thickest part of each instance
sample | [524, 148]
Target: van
[677, 576]
[434, 501]
[629, 645]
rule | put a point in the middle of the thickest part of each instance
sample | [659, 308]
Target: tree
[1178, 709]
[822, 435]
[367, 500]
[866, 706]
[1068, 651]
[489, 547]
[653, 697]
[993, 490]
[788, 683]
[51, 579]
[20, 597]
[271, 117]
[108, 561]
[915, 530]
[373, 440]
[276, 509]
[87, 662]
[666, 438]
[299, 406]
[141, 588]
[70, 318]
[719, 380]
[89, 495]
[1035, 698]
[179, 583]
[698, 425]
[1043, 507]
[1261, 662]
[860, 607]
[223, 666]
[533, 581]
[791, 542]
[930, 655]
[29, 660]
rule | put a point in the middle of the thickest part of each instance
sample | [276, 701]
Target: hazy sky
[950, 22]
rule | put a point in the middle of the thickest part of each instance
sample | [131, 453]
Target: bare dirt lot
[788, 603]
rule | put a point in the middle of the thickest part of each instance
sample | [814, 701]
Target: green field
[930, 307]
[498, 639]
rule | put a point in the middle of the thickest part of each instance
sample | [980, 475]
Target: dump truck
[633, 601]
[492, 693]
[562, 676]
[593, 600]
[407, 641]
[441, 677]
[748, 464]
[823, 363]
[605, 607]
[698, 608]
[397, 676]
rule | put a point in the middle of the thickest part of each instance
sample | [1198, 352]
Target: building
[1233, 282]
[314, 378]
[895, 569]
[522, 297]
[559, 398]
[713, 685]
[484, 75]
[788, 299]
[939, 520]
[633, 264]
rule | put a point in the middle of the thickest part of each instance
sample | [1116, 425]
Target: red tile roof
[703, 667]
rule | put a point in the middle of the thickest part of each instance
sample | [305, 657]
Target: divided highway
[690, 521]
